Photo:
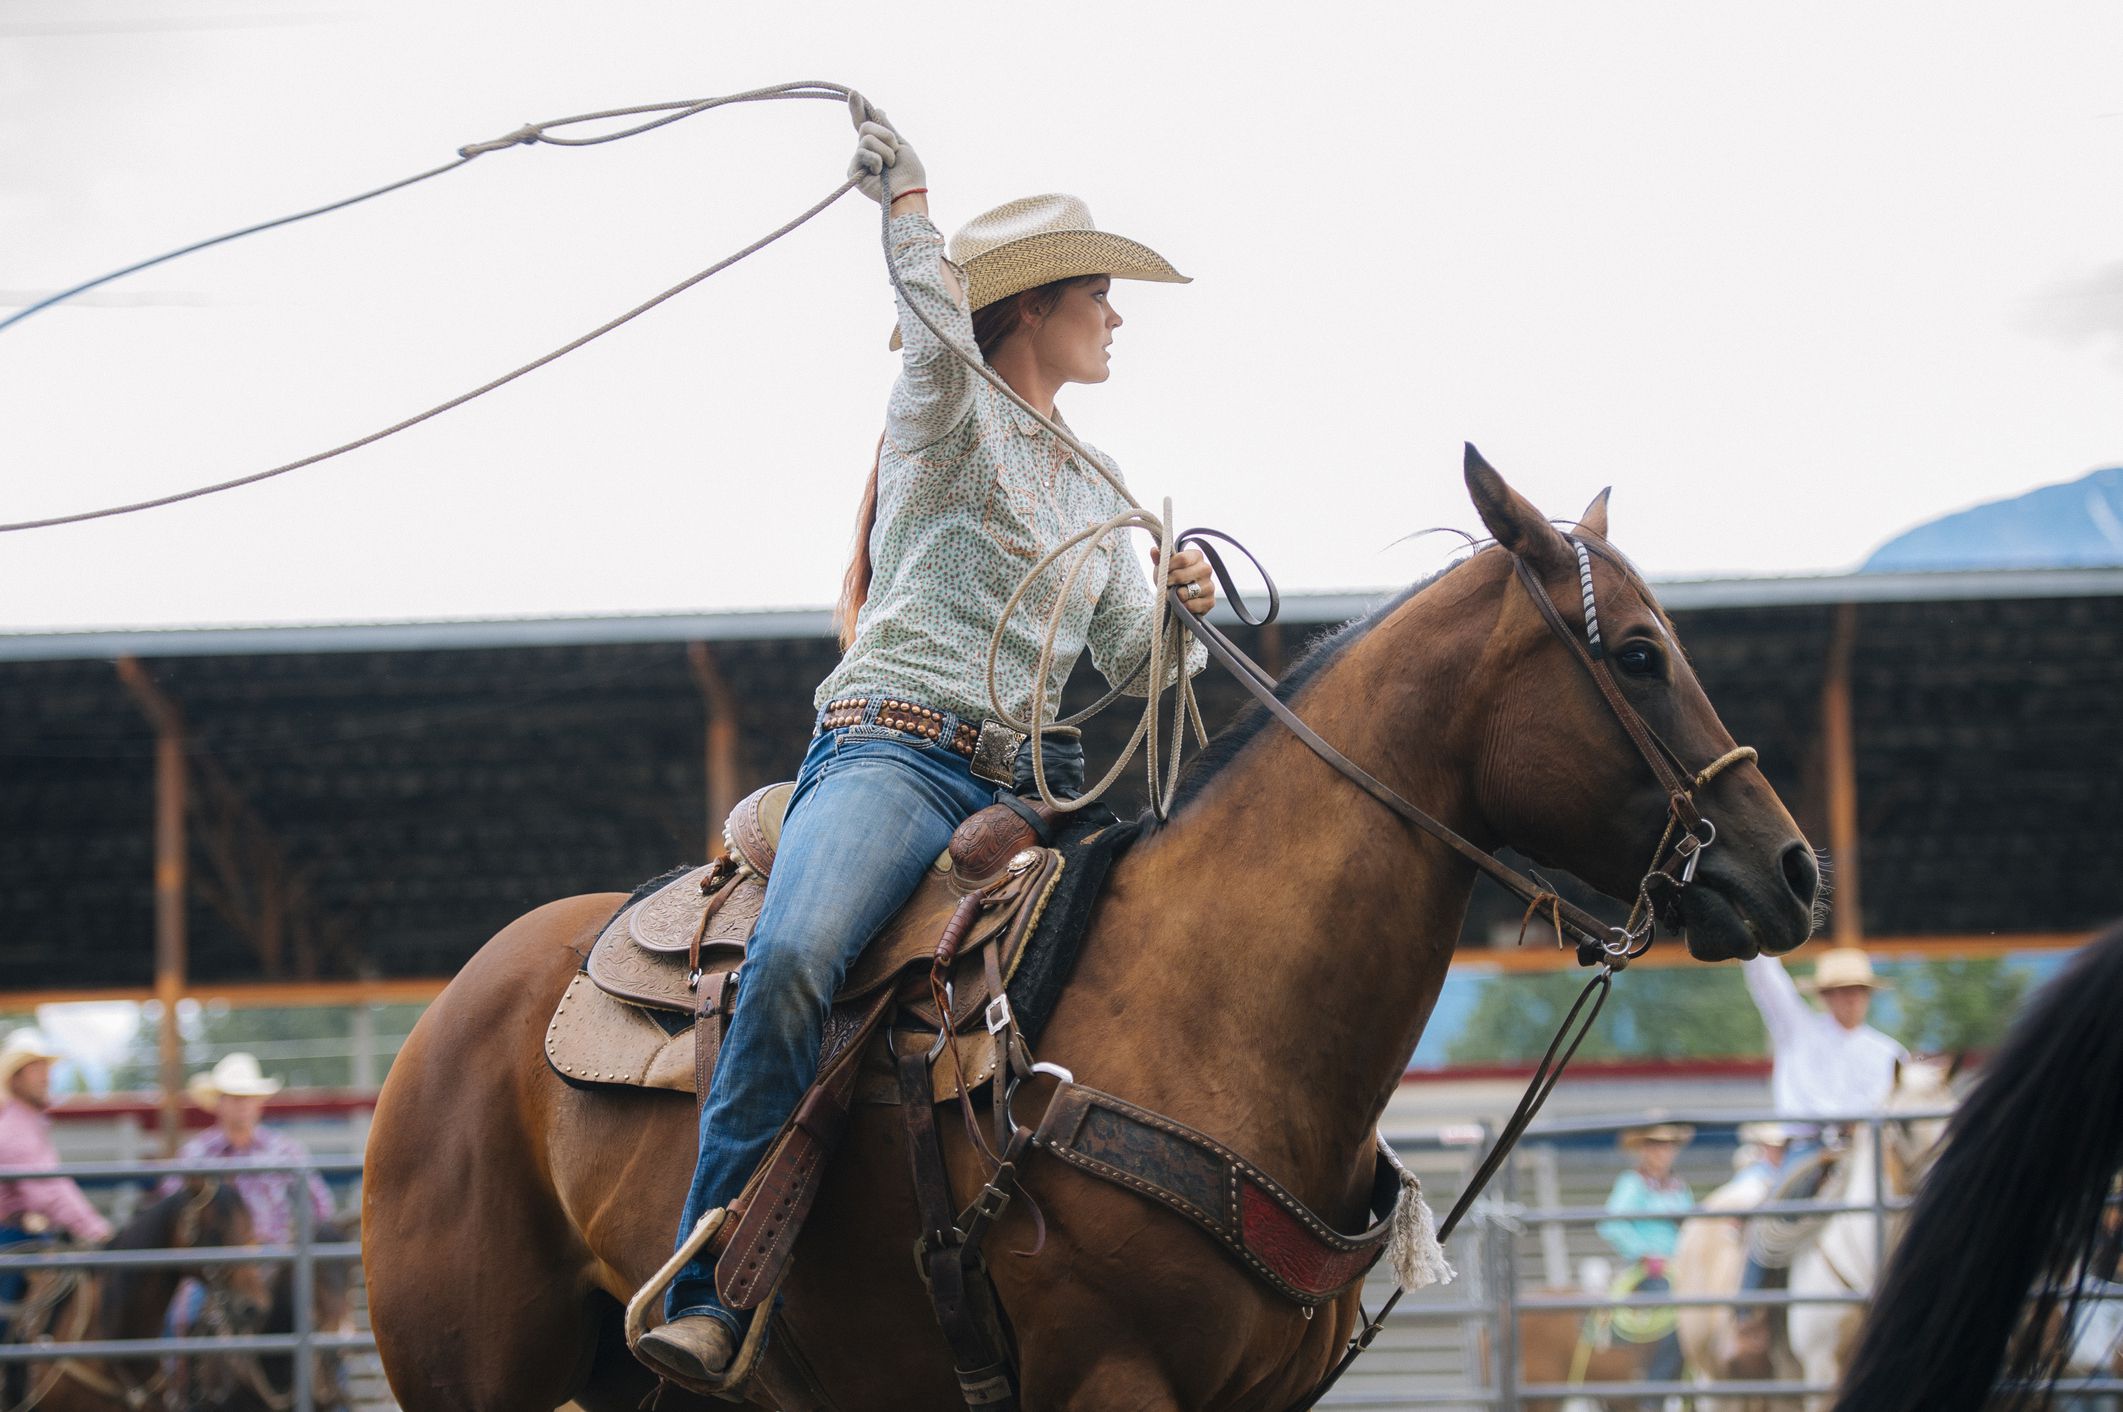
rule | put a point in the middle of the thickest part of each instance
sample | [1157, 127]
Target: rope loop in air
[529, 134]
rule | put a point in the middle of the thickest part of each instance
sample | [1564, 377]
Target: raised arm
[1775, 995]
[935, 388]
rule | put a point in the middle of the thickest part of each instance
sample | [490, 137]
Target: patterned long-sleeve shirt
[26, 1141]
[270, 1195]
[971, 492]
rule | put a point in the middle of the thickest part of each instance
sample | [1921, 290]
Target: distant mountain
[2071, 526]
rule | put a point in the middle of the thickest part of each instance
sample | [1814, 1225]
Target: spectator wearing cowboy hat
[235, 1091]
[1824, 1064]
[32, 1207]
[1646, 1243]
[1759, 1160]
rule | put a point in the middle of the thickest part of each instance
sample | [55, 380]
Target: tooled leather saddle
[650, 1004]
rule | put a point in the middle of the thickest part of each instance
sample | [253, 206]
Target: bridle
[1688, 831]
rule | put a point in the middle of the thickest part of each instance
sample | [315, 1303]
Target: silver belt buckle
[995, 753]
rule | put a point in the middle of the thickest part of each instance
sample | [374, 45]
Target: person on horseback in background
[235, 1092]
[966, 493]
[1822, 1065]
[1647, 1189]
[32, 1207]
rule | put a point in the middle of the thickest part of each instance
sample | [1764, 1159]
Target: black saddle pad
[1089, 842]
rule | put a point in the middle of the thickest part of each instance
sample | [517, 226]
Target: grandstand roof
[422, 783]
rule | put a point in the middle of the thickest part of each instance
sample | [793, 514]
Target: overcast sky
[1790, 277]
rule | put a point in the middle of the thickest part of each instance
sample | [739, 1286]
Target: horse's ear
[1594, 520]
[1956, 1062]
[1518, 527]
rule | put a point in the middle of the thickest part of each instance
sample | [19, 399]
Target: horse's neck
[133, 1305]
[1849, 1241]
[1279, 944]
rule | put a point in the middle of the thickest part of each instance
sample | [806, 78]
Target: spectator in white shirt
[1822, 1065]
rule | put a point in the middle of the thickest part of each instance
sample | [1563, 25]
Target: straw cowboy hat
[237, 1075]
[1766, 1134]
[1679, 1133]
[1840, 967]
[1036, 240]
[20, 1049]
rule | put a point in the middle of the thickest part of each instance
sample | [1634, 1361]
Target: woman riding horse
[965, 495]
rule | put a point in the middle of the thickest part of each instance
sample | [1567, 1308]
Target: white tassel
[1418, 1260]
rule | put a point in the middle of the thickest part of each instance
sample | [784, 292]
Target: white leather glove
[883, 161]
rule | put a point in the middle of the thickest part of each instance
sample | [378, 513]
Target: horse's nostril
[1802, 874]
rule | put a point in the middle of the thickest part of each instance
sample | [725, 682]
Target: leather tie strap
[950, 1262]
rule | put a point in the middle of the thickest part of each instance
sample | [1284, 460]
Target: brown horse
[1556, 1346]
[132, 1304]
[265, 1382]
[1260, 967]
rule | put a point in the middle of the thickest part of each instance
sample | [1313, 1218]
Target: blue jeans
[872, 810]
[13, 1283]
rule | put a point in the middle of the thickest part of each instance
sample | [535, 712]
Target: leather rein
[1673, 864]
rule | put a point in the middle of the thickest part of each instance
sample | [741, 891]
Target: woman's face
[1073, 338]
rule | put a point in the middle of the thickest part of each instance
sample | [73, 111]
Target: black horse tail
[2009, 1220]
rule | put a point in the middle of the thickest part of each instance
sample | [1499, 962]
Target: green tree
[1949, 1007]
[1679, 1012]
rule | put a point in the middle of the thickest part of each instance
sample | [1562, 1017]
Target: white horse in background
[1847, 1254]
[1842, 1257]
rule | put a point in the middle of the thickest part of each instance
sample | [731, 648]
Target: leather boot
[698, 1348]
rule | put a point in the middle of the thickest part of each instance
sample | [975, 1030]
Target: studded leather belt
[990, 745]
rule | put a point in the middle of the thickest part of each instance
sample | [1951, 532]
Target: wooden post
[170, 958]
[721, 744]
[1839, 760]
[170, 888]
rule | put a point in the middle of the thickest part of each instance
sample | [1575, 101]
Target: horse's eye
[1639, 660]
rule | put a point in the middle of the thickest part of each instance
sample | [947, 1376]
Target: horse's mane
[1320, 652]
[2010, 1213]
[151, 1227]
